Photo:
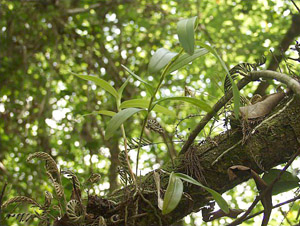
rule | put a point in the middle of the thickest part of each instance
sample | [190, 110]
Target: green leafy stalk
[235, 90]
[124, 133]
[151, 105]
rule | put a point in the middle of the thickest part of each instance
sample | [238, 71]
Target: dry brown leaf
[233, 213]
[266, 200]
[237, 170]
[261, 108]
[160, 201]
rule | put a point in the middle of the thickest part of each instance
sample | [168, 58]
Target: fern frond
[57, 186]
[22, 217]
[21, 199]
[48, 200]
[74, 211]
[72, 175]
[51, 165]
[242, 69]
[154, 125]
[93, 179]
[133, 143]
[100, 221]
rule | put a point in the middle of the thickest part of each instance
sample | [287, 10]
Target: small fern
[72, 175]
[74, 211]
[21, 217]
[21, 199]
[242, 69]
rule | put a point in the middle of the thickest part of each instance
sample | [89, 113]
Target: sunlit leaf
[160, 59]
[99, 82]
[199, 103]
[173, 194]
[185, 31]
[149, 87]
[287, 181]
[186, 59]
[121, 89]
[105, 112]
[218, 198]
[235, 90]
[101, 112]
[118, 119]
[141, 103]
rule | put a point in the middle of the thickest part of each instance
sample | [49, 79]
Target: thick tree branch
[254, 75]
[241, 84]
[273, 143]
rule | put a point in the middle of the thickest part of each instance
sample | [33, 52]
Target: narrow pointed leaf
[186, 59]
[121, 89]
[185, 31]
[287, 181]
[149, 87]
[106, 112]
[118, 119]
[160, 59]
[101, 112]
[141, 103]
[218, 198]
[99, 82]
[235, 90]
[173, 194]
[199, 103]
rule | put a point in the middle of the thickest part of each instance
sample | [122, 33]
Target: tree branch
[253, 76]
[83, 10]
[273, 143]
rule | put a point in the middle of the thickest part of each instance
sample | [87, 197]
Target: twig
[295, 5]
[228, 150]
[1, 197]
[290, 82]
[132, 217]
[83, 10]
[154, 209]
[268, 189]
[276, 206]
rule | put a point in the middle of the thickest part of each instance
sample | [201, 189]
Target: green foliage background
[42, 103]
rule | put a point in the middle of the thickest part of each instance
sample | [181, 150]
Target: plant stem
[125, 146]
[126, 155]
[151, 106]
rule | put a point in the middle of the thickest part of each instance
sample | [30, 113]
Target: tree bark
[273, 142]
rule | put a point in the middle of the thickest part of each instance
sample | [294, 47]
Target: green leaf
[287, 181]
[101, 112]
[160, 59]
[199, 103]
[235, 90]
[141, 103]
[121, 89]
[118, 119]
[99, 82]
[105, 112]
[218, 198]
[185, 59]
[185, 31]
[149, 87]
[173, 194]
